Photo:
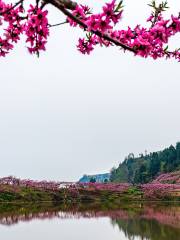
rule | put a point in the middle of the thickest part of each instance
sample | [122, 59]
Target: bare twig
[157, 10]
[57, 24]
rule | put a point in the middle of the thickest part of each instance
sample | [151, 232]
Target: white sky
[66, 114]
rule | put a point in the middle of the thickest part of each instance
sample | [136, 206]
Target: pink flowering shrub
[113, 187]
[55, 186]
[101, 28]
[158, 190]
[173, 177]
[16, 182]
[73, 190]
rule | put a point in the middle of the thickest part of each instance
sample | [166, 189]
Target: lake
[129, 221]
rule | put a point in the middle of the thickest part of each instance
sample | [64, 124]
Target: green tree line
[146, 167]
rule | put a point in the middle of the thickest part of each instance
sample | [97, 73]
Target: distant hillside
[101, 178]
[145, 168]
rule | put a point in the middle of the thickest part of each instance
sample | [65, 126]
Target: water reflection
[152, 221]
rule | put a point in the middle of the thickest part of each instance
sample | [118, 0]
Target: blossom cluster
[145, 42]
[15, 20]
[102, 22]
[14, 26]
[36, 29]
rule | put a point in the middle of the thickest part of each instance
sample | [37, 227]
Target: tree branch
[63, 5]
[58, 24]
[68, 4]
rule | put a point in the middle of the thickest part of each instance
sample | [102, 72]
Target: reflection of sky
[65, 114]
[69, 229]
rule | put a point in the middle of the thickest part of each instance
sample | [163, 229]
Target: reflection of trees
[146, 229]
[14, 219]
[153, 222]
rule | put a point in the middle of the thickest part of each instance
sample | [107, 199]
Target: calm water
[90, 222]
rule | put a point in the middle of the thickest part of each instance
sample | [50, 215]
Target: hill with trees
[145, 168]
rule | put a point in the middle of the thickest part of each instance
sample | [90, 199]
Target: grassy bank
[89, 193]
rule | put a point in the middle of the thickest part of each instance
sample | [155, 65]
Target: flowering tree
[100, 29]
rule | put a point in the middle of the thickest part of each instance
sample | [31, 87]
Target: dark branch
[68, 4]
[60, 4]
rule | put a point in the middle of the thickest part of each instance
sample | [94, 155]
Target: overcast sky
[66, 114]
